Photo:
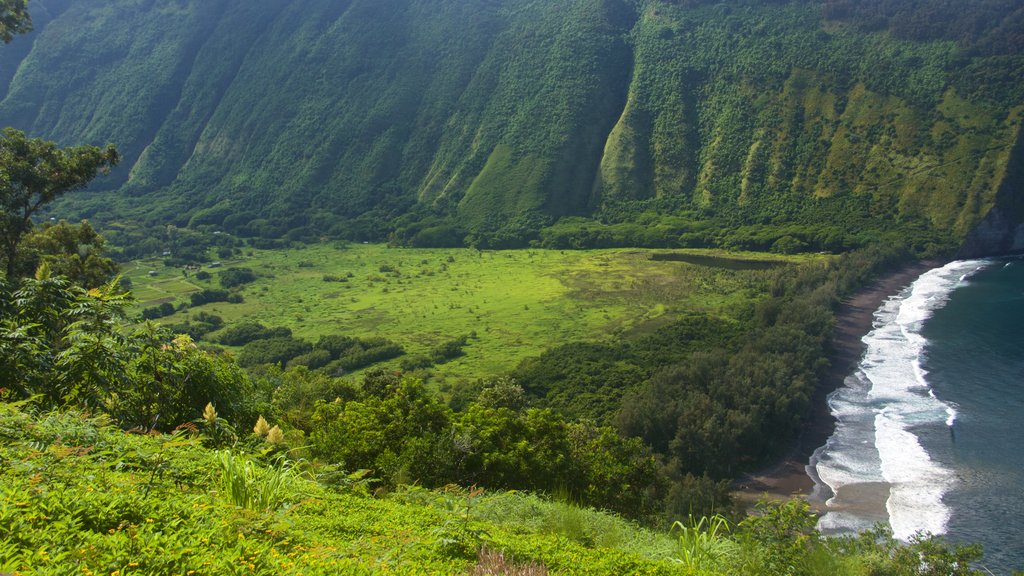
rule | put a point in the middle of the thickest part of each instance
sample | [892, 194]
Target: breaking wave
[874, 466]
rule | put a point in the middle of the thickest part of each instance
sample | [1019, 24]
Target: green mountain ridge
[267, 118]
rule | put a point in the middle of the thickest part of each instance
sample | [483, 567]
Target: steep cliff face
[772, 134]
[1001, 231]
[261, 117]
[999, 234]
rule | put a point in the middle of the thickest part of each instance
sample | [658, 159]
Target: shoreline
[854, 319]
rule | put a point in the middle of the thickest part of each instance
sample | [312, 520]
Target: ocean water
[930, 427]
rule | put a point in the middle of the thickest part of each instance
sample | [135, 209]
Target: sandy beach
[854, 319]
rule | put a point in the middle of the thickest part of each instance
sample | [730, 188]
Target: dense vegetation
[647, 425]
[713, 376]
[63, 346]
[35, 173]
[990, 27]
[819, 124]
[710, 397]
[194, 503]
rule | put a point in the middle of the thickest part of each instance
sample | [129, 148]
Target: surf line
[873, 467]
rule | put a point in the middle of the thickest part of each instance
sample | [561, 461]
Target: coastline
[854, 318]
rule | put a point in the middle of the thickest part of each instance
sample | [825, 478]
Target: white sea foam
[878, 409]
[917, 484]
[950, 414]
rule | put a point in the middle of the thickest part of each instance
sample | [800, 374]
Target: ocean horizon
[929, 426]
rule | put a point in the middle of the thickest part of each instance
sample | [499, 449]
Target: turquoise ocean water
[930, 431]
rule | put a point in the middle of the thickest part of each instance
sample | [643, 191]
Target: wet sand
[854, 319]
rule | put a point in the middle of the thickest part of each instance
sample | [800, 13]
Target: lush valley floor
[512, 304]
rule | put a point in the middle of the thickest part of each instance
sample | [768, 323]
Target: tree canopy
[71, 250]
[35, 172]
[14, 19]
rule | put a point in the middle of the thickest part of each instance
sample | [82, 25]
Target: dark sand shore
[854, 320]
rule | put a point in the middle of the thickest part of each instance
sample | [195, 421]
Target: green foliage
[526, 450]
[209, 295]
[783, 533]
[278, 350]
[703, 545]
[611, 472]
[336, 344]
[397, 429]
[62, 342]
[14, 19]
[556, 297]
[930, 557]
[154, 312]
[788, 245]
[73, 251]
[243, 333]
[100, 507]
[248, 485]
[78, 494]
[379, 429]
[234, 277]
[706, 372]
[313, 359]
[981, 29]
[66, 346]
[364, 353]
[196, 327]
[448, 350]
[591, 380]
[183, 380]
[35, 172]
[297, 390]
[415, 362]
[503, 393]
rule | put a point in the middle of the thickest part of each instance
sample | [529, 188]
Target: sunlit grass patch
[509, 304]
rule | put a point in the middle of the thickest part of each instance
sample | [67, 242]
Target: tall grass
[704, 545]
[247, 485]
[584, 526]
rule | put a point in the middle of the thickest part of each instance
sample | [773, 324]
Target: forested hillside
[454, 121]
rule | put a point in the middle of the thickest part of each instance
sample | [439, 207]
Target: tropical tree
[62, 343]
[172, 383]
[71, 250]
[35, 172]
[14, 19]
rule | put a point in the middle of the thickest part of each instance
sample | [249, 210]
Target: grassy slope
[77, 496]
[303, 114]
[518, 302]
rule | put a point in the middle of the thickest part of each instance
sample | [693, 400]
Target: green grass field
[512, 304]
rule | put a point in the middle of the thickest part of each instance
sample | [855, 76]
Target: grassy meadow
[512, 304]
